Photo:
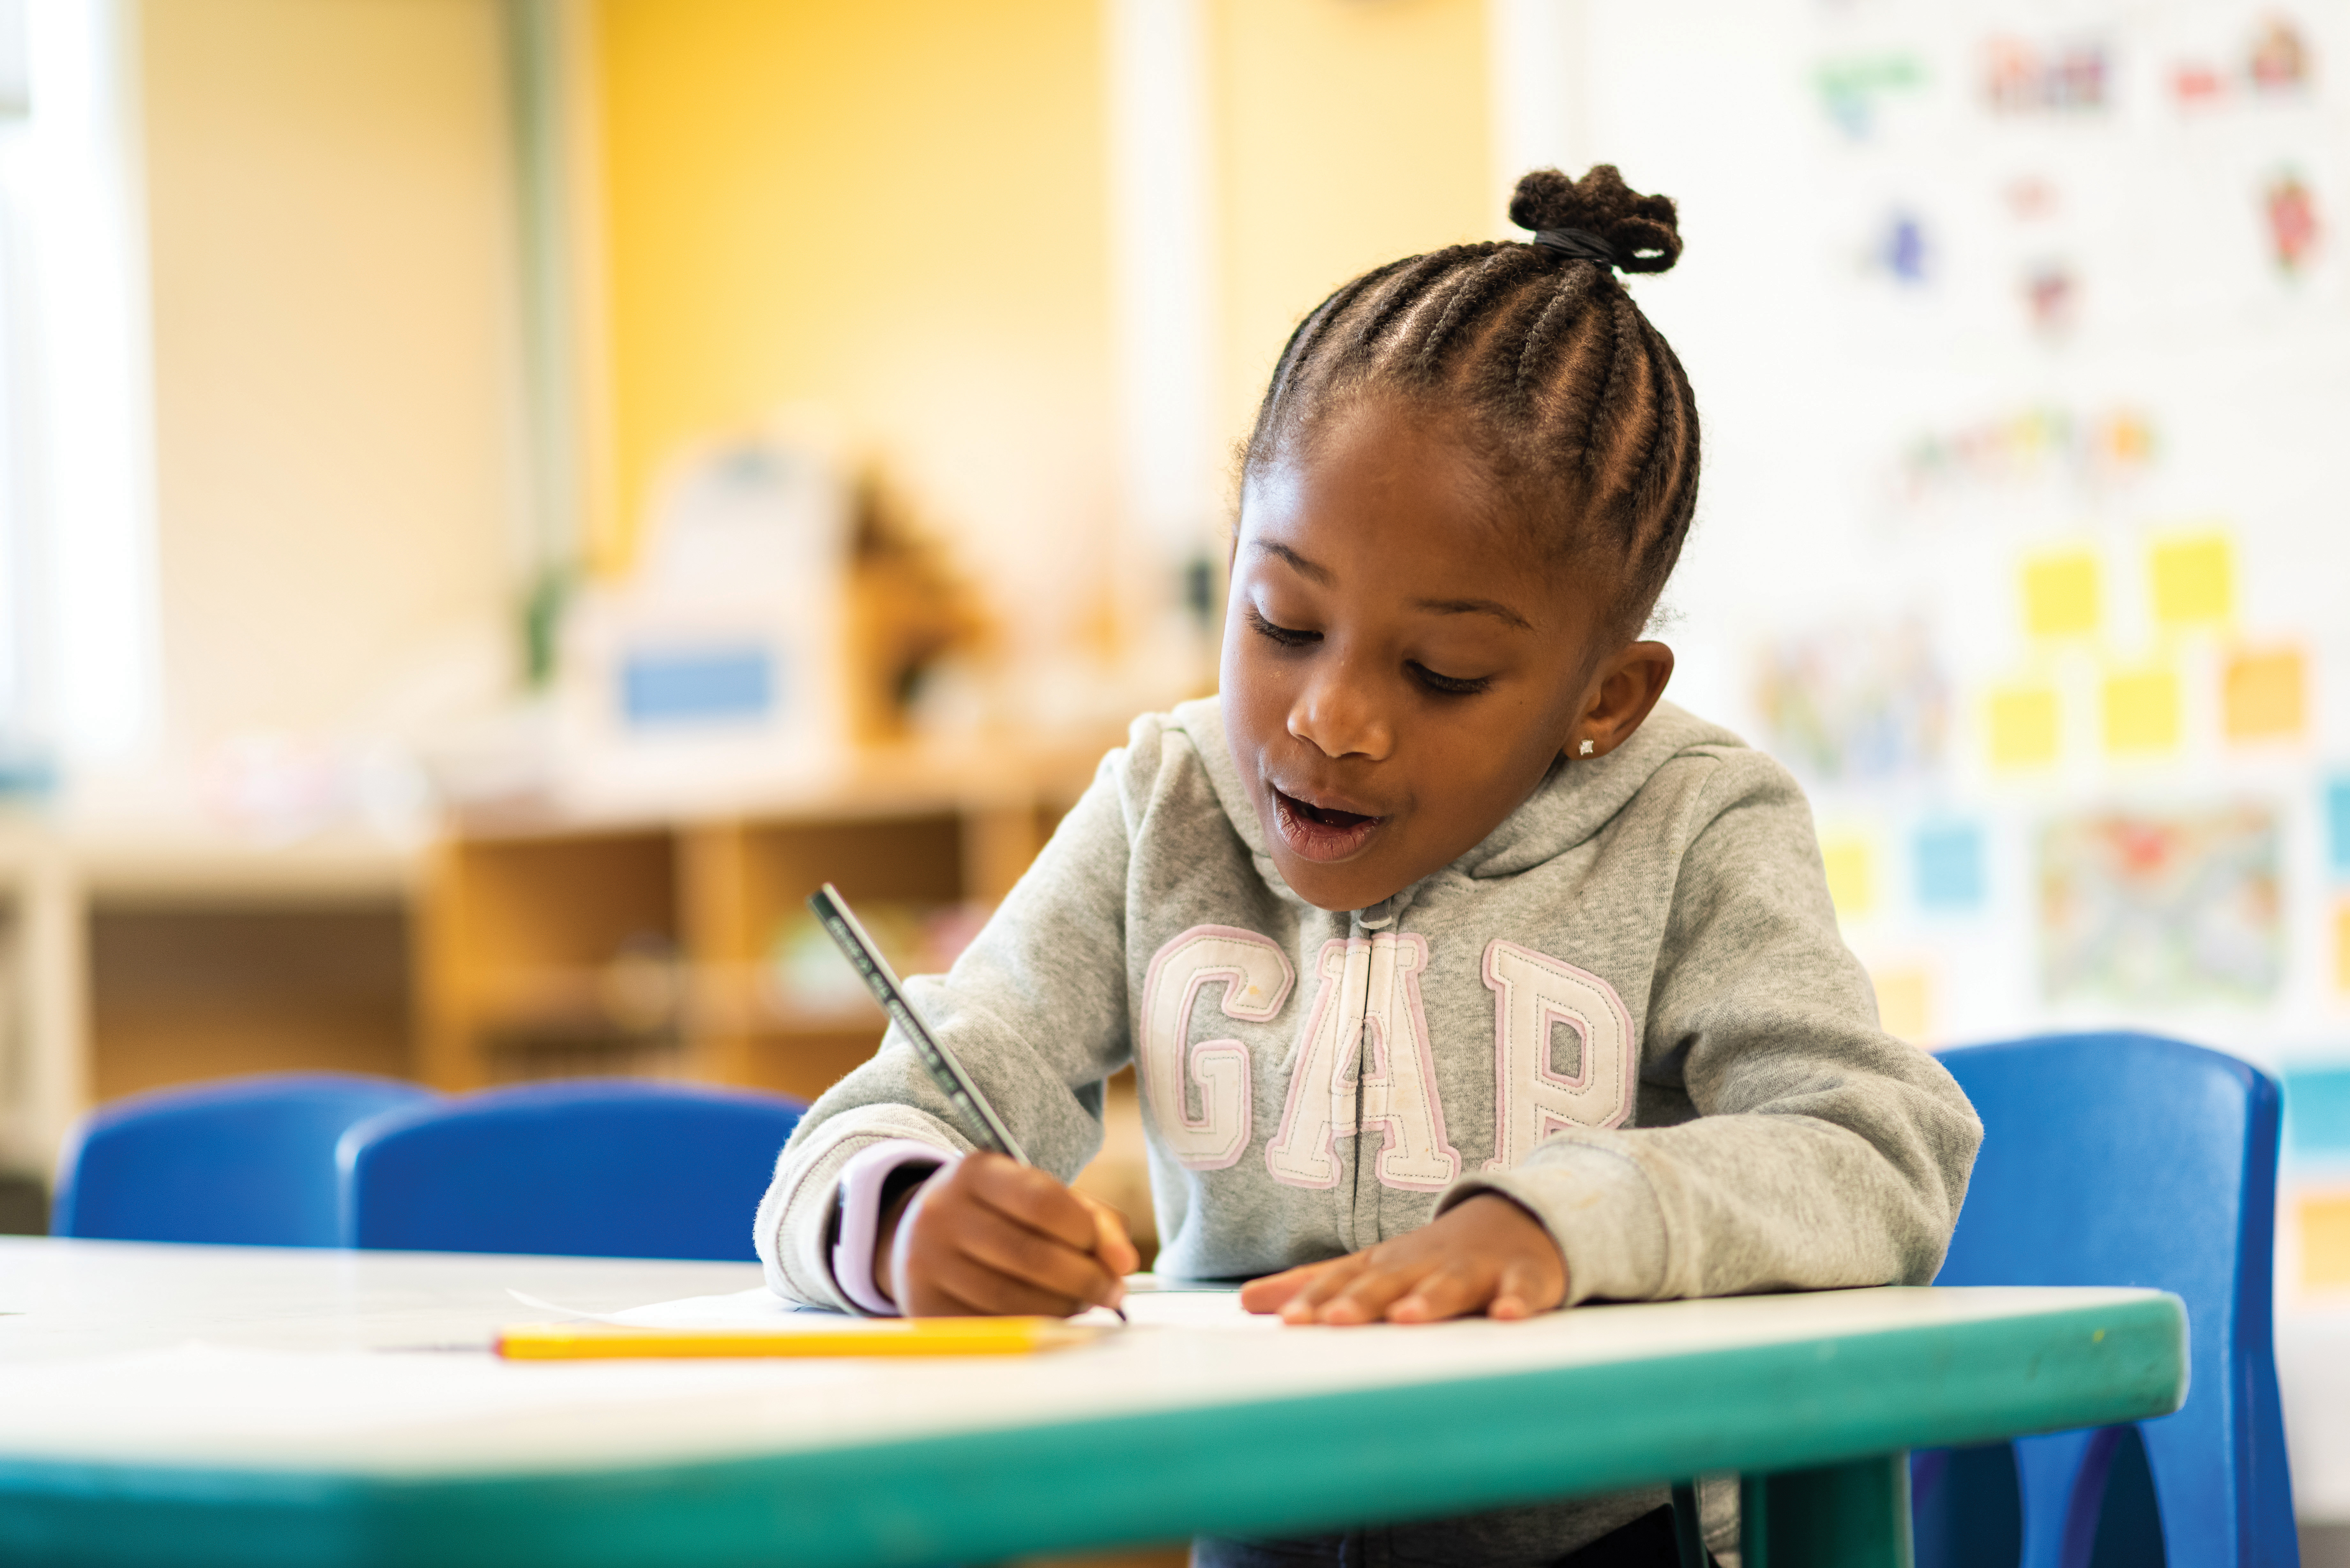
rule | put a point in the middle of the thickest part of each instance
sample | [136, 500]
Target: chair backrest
[247, 1161]
[2129, 1159]
[607, 1168]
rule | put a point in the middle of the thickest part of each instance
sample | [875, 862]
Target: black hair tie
[1580, 243]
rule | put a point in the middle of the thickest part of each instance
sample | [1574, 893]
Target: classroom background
[497, 497]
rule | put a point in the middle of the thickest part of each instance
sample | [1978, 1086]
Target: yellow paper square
[2141, 710]
[2194, 580]
[1850, 880]
[2341, 948]
[2023, 726]
[1905, 1002]
[2263, 694]
[2325, 1238]
[2060, 595]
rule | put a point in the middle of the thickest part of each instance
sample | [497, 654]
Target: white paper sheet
[757, 1307]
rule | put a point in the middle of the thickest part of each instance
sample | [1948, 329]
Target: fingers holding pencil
[989, 1235]
[1112, 1244]
[1002, 1236]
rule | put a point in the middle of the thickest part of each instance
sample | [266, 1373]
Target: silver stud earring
[1586, 749]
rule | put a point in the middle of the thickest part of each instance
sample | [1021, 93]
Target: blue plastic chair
[2127, 1159]
[603, 1167]
[241, 1161]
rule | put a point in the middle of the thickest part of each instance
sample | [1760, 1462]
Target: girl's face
[1401, 663]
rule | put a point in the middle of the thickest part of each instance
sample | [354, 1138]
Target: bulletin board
[2020, 340]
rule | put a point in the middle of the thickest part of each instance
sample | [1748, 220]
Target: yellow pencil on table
[834, 1337]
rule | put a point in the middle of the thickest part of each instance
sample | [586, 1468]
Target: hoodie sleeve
[1035, 1010]
[1824, 1152]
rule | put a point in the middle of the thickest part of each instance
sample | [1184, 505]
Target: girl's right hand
[990, 1236]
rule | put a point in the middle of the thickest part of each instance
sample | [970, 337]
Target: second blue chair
[595, 1168]
[248, 1161]
[2126, 1159]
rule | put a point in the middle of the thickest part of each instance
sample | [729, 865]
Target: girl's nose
[1337, 718]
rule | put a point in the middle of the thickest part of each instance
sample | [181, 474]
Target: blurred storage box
[723, 659]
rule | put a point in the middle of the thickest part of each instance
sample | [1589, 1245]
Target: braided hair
[1578, 402]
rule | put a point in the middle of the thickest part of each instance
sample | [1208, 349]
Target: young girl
[1460, 974]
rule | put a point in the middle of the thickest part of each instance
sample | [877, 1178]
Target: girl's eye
[1449, 685]
[1287, 637]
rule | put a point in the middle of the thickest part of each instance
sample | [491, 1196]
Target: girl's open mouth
[1321, 832]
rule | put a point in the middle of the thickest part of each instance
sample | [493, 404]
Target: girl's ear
[1627, 688]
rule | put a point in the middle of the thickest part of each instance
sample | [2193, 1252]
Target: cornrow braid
[1538, 346]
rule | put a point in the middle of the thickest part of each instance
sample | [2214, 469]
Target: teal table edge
[1821, 1405]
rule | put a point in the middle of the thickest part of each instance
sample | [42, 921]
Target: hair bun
[1643, 231]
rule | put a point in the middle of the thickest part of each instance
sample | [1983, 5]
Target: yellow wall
[898, 211]
[895, 210]
[332, 269]
[1350, 132]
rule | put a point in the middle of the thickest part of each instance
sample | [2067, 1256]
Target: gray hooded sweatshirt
[1628, 1009]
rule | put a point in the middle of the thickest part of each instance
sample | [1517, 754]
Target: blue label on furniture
[705, 685]
[1949, 866]
[2317, 1109]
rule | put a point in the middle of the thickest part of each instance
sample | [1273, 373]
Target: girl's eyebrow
[1313, 570]
[1476, 607]
[1321, 573]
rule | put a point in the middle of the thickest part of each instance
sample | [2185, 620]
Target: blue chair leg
[1966, 1510]
[2048, 1471]
[2240, 1517]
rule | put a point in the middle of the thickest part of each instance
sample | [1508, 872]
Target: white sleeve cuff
[862, 1182]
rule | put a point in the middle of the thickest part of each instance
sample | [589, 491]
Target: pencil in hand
[985, 1129]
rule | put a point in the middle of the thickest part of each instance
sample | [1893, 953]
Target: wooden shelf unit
[505, 951]
[179, 991]
[553, 948]
[139, 953]
[557, 949]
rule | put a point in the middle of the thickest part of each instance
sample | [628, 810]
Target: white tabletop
[167, 1407]
[377, 1362]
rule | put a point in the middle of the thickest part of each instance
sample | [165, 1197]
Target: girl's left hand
[1485, 1255]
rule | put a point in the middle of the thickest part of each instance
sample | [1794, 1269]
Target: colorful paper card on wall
[2262, 696]
[2145, 907]
[2141, 710]
[2023, 723]
[1854, 701]
[2317, 1110]
[1949, 866]
[2342, 948]
[2194, 581]
[2060, 595]
[2337, 826]
[1853, 90]
[1905, 1003]
[1852, 882]
[2325, 1220]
